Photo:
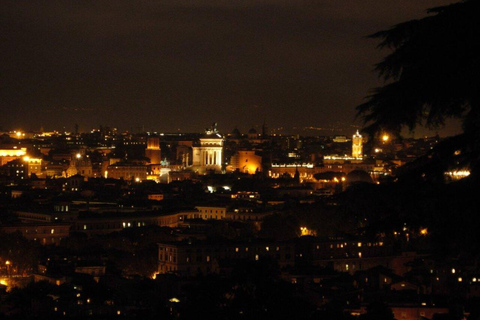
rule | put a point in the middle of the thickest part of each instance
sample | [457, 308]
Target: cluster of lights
[299, 165]
[460, 173]
[341, 158]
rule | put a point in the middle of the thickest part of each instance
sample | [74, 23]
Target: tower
[357, 148]
[153, 150]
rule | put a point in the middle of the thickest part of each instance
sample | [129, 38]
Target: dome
[358, 176]
[235, 133]
[252, 131]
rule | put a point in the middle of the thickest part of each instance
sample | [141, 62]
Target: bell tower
[357, 146]
[153, 150]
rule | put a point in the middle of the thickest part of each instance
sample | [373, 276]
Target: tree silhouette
[430, 75]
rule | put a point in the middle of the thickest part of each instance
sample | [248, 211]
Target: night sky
[181, 65]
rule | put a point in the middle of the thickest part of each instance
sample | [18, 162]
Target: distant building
[340, 139]
[7, 155]
[252, 134]
[357, 146]
[45, 233]
[16, 169]
[127, 171]
[152, 152]
[84, 167]
[246, 161]
[209, 212]
[193, 258]
[208, 154]
[34, 166]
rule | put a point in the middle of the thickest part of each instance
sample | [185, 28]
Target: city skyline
[176, 66]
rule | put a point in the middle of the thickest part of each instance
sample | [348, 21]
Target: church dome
[235, 133]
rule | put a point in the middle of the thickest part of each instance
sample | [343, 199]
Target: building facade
[357, 145]
[208, 153]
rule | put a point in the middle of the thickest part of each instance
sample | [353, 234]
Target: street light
[8, 263]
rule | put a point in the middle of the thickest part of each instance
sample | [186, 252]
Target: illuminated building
[155, 196]
[127, 171]
[71, 170]
[305, 170]
[210, 212]
[152, 151]
[340, 139]
[34, 166]
[208, 154]
[246, 161]
[357, 148]
[308, 171]
[7, 155]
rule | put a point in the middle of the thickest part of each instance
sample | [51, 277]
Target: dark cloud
[184, 64]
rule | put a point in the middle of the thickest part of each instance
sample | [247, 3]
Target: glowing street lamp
[7, 264]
